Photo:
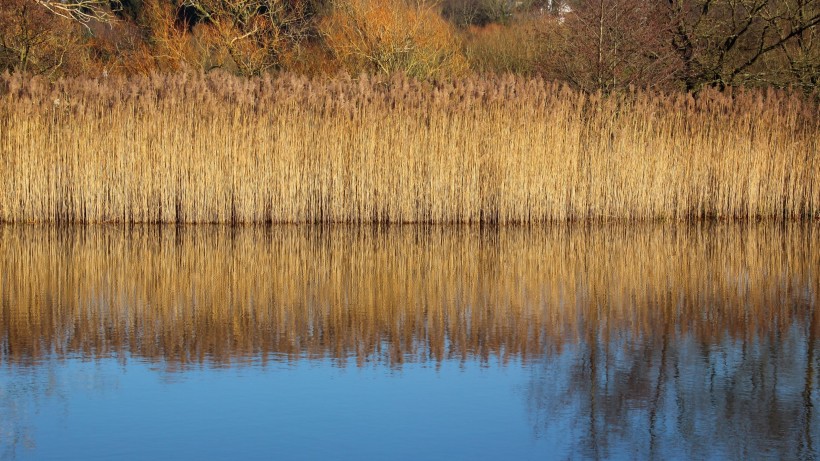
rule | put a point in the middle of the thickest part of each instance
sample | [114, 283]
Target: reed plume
[219, 149]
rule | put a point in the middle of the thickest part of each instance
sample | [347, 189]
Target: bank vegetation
[215, 148]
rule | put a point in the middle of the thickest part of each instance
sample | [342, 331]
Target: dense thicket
[193, 148]
[591, 44]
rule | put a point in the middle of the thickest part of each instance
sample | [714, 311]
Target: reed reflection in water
[640, 340]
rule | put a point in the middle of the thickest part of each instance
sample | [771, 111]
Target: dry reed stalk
[218, 149]
[222, 295]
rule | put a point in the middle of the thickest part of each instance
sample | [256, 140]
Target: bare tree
[32, 39]
[476, 12]
[256, 33]
[83, 11]
[720, 42]
[803, 52]
[610, 44]
[390, 36]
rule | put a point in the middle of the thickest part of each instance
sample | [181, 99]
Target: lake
[592, 341]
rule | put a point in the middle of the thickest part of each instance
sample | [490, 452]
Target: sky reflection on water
[599, 342]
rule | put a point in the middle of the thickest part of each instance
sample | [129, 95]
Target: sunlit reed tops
[214, 148]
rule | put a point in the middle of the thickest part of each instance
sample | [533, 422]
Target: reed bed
[212, 148]
[223, 295]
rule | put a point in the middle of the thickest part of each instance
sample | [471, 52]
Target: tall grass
[219, 149]
[220, 295]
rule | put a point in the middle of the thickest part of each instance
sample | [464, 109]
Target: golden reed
[223, 295]
[219, 149]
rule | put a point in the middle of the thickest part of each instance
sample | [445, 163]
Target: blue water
[647, 343]
[105, 409]
[126, 408]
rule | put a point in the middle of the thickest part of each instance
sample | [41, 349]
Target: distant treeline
[216, 148]
[590, 44]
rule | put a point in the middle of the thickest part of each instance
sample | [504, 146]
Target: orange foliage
[251, 37]
[173, 47]
[392, 36]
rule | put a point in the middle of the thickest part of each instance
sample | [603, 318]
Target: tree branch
[82, 11]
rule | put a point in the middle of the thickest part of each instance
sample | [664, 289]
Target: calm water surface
[618, 342]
